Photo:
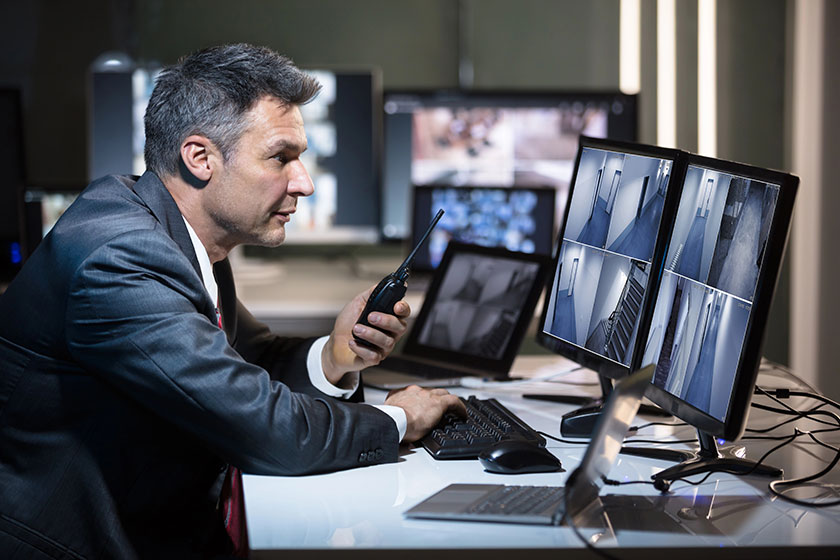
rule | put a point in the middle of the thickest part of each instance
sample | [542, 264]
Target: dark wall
[49, 46]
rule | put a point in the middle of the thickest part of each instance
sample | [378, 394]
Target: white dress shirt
[313, 359]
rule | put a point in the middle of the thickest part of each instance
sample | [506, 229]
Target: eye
[282, 158]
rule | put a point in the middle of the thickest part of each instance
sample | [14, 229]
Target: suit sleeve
[133, 319]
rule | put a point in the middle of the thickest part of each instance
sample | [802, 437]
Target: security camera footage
[606, 252]
[517, 219]
[499, 146]
[711, 271]
[478, 305]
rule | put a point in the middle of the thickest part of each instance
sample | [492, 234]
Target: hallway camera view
[478, 305]
[606, 253]
[711, 272]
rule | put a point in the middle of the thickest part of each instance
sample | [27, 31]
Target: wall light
[630, 46]
[707, 77]
[666, 73]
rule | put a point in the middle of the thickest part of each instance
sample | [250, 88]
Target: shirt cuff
[397, 414]
[349, 383]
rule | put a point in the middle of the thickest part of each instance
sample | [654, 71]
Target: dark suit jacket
[121, 401]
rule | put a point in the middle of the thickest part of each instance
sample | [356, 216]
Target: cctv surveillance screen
[705, 299]
[606, 253]
[517, 219]
[478, 305]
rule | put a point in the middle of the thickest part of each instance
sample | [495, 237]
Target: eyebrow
[287, 146]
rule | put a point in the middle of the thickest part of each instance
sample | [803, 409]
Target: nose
[300, 183]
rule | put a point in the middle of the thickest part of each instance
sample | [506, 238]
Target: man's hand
[342, 353]
[424, 408]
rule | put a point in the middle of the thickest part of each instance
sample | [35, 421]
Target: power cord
[777, 487]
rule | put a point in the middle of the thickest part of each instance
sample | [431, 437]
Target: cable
[798, 412]
[649, 424]
[780, 424]
[774, 485]
[782, 393]
[561, 440]
[662, 441]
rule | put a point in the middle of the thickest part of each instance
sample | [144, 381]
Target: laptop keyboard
[487, 422]
[519, 500]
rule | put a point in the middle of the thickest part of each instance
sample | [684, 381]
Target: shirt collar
[204, 264]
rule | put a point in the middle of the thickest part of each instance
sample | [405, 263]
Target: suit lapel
[153, 192]
[162, 206]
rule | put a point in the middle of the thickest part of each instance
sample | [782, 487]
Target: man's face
[251, 197]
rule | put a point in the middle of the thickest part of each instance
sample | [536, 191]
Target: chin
[275, 239]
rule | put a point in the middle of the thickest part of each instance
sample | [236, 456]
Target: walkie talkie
[391, 289]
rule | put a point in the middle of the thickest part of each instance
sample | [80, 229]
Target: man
[122, 401]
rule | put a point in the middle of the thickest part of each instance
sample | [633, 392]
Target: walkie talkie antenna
[402, 271]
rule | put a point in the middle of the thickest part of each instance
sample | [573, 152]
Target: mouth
[284, 215]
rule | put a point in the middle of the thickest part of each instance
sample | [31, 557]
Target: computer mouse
[518, 457]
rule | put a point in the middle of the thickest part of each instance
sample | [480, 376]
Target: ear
[198, 154]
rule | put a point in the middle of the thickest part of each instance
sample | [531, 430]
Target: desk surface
[360, 511]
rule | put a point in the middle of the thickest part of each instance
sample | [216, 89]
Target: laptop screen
[478, 307]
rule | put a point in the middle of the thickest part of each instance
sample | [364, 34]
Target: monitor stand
[710, 459]
[580, 423]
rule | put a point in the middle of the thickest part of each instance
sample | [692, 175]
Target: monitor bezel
[743, 386]
[497, 368]
[418, 226]
[583, 356]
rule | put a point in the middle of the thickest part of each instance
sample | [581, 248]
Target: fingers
[424, 408]
[402, 309]
[456, 406]
[383, 333]
[384, 342]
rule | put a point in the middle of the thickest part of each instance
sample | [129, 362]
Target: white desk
[359, 513]
[303, 296]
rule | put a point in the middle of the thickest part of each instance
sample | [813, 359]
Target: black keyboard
[487, 422]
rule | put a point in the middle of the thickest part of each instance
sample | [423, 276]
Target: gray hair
[209, 92]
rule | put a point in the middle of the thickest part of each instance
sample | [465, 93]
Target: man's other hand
[424, 408]
[342, 353]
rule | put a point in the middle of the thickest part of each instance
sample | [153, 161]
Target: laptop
[474, 316]
[547, 505]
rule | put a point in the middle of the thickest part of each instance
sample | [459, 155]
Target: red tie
[233, 502]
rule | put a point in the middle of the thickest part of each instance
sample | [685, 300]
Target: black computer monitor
[44, 206]
[724, 253]
[598, 302]
[500, 139]
[12, 235]
[520, 219]
[344, 134]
